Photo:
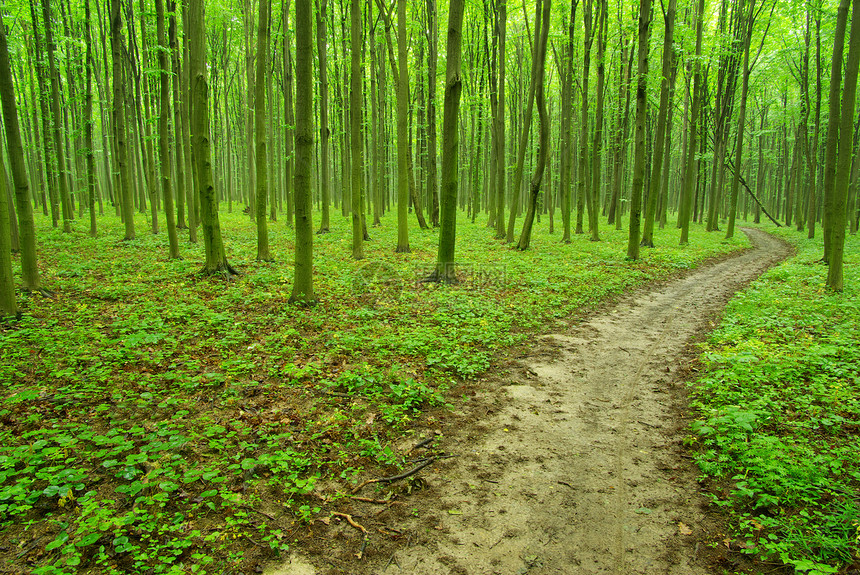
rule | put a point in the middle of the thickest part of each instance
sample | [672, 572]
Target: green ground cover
[778, 428]
[152, 420]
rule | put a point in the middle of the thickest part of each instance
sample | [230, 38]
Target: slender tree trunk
[657, 175]
[501, 156]
[690, 161]
[356, 128]
[164, 143]
[539, 55]
[119, 117]
[289, 117]
[325, 178]
[8, 304]
[88, 123]
[303, 288]
[261, 132]
[583, 171]
[566, 112]
[524, 135]
[445, 271]
[831, 151]
[26, 224]
[62, 160]
[216, 259]
[838, 214]
[402, 133]
[639, 138]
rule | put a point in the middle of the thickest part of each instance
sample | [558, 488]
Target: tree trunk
[216, 259]
[356, 128]
[303, 288]
[402, 133]
[289, 117]
[62, 160]
[690, 162]
[445, 271]
[831, 151]
[501, 159]
[261, 132]
[524, 136]
[119, 117]
[838, 214]
[325, 177]
[88, 123]
[539, 55]
[657, 175]
[432, 59]
[639, 138]
[164, 143]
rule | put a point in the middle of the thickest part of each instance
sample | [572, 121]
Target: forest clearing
[364, 287]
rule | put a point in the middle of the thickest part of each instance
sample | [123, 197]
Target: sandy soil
[569, 462]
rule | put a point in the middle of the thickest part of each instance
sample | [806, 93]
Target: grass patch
[778, 424]
[152, 420]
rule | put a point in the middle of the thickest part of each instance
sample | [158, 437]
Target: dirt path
[577, 466]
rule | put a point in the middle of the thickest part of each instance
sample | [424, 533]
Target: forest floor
[569, 458]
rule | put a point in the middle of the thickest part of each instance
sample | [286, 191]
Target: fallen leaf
[684, 530]
[643, 511]
[454, 512]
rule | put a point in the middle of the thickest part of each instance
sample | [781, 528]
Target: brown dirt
[570, 461]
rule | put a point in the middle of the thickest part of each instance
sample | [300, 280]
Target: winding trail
[578, 468]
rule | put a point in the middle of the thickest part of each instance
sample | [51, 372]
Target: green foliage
[779, 410]
[151, 419]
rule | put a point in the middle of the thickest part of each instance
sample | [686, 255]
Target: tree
[88, 119]
[660, 132]
[261, 132]
[639, 138]
[832, 142]
[303, 287]
[8, 305]
[356, 129]
[691, 163]
[26, 224]
[838, 213]
[445, 271]
[164, 131]
[524, 138]
[501, 159]
[59, 148]
[539, 53]
[216, 259]
[325, 178]
[119, 125]
[402, 133]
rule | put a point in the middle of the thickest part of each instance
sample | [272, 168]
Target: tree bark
[325, 177]
[445, 271]
[356, 128]
[303, 288]
[838, 214]
[539, 55]
[261, 132]
[216, 259]
[639, 138]
[657, 175]
[690, 161]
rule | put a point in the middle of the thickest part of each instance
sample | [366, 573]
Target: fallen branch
[424, 443]
[397, 477]
[358, 526]
[730, 165]
[369, 500]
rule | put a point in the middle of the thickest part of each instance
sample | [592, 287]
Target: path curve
[579, 469]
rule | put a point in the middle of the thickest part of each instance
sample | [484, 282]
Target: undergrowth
[153, 420]
[778, 422]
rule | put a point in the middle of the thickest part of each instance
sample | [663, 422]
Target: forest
[270, 270]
